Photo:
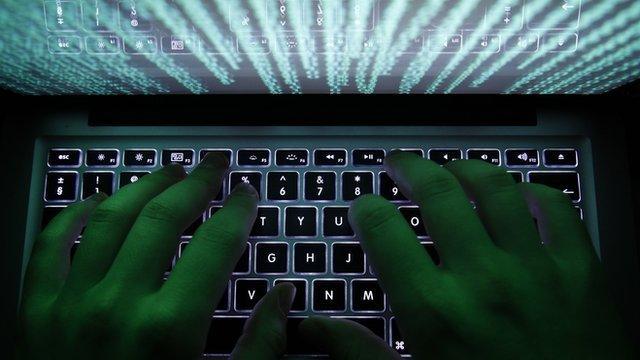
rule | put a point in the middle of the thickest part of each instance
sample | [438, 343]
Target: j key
[487, 155]
[100, 157]
[95, 182]
[267, 222]
[561, 157]
[376, 325]
[292, 157]
[310, 258]
[224, 152]
[412, 215]
[431, 250]
[253, 178]
[348, 258]
[249, 292]
[368, 157]
[127, 178]
[139, 158]
[254, 157]
[191, 230]
[355, 184]
[223, 304]
[443, 156]
[300, 299]
[389, 190]
[335, 222]
[320, 186]
[329, 295]
[522, 157]
[64, 157]
[223, 342]
[567, 182]
[398, 343]
[61, 186]
[242, 266]
[330, 157]
[182, 157]
[517, 176]
[49, 213]
[366, 295]
[271, 258]
[300, 221]
[282, 186]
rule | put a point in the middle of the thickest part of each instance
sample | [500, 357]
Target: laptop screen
[318, 46]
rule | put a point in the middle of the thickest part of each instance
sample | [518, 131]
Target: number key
[355, 184]
[320, 186]
[389, 190]
[282, 186]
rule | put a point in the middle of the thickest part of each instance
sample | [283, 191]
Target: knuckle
[436, 184]
[110, 212]
[223, 238]
[157, 209]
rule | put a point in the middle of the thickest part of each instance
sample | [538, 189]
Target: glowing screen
[318, 46]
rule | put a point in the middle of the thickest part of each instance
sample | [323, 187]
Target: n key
[329, 295]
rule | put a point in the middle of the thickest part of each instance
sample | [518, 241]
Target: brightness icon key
[138, 45]
[140, 157]
[101, 45]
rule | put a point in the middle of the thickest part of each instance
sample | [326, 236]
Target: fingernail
[175, 170]
[214, 160]
[245, 188]
[286, 294]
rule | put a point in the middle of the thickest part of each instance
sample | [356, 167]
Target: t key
[320, 186]
[267, 222]
[282, 186]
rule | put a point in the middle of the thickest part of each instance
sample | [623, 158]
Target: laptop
[305, 98]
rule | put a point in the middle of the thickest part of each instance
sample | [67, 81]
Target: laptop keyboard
[301, 234]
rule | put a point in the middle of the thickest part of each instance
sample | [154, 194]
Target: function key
[61, 186]
[254, 157]
[491, 156]
[64, 157]
[330, 157]
[292, 157]
[320, 186]
[272, 258]
[561, 157]
[389, 190]
[443, 156]
[366, 295]
[335, 222]
[368, 157]
[522, 157]
[355, 184]
[95, 182]
[183, 157]
[300, 299]
[282, 186]
[418, 152]
[300, 221]
[129, 177]
[253, 178]
[329, 295]
[100, 157]
[224, 152]
[348, 258]
[248, 293]
[567, 182]
[140, 157]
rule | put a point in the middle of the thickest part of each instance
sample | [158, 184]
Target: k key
[355, 184]
[300, 221]
[329, 295]
[335, 222]
[95, 182]
[310, 258]
[249, 292]
[282, 186]
[320, 186]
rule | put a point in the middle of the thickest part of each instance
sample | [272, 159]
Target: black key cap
[368, 157]
[376, 325]
[61, 186]
[418, 152]
[336, 157]
[517, 176]
[254, 157]
[253, 178]
[292, 157]
[242, 266]
[271, 258]
[48, 213]
[249, 292]
[561, 157]
[355, 184]
[300, 221]
[335, 222]
[139, 157]
[491, 156]
[348, 258]
[102, 157]
[389, 190]
[412, 215]
[223, 304]
[191, 230]
[267, 222]
[310, 258]
[95, 182]
[320, 186]
[366, 295]
[64, 158]
[128, 177]
[282, 186]
[213, 210]
[224, 152]
[182, 247]
[433, 253]
[397, 341]
[183, 157]
[522, 157]
[329, 295]
[296, 343]
[300, 299]
[567, 182]
[443, 156]
[224, 332]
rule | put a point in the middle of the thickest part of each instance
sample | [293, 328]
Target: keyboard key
[418, 152]
[348, 258]
[567, 182]
[329, 295]
[242, 266]
[61, 186]
[191, 230]
[292, 157]
[253, 178]
[249, 292]
[414, 219]
[310, 258]
[296, 343]
[320, 186]
[267, 222]
[129, 177]
[183, 157]
[223, 304]
[95, 182]
[182, 247]
[224, 152]
[300, 221]
[139, 157]
[102, 157]
[443, 156]
[323, 157]
[433, 253]
[271, 258]
[73, 250]
[560, 157]
[224, 332]
[397, 341]
[376, 325]
[300, 299]
[579, 212]
[368, 157]
[48, 213]
[64, 158]
[213, 210]
[335, 222]
[355, 184]
[522, 157]
[282, 186]
[517, 176]
[254, 157]
[366, 295]
[389, 190]
[491, 156]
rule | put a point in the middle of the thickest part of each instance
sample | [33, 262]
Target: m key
[366, 295]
